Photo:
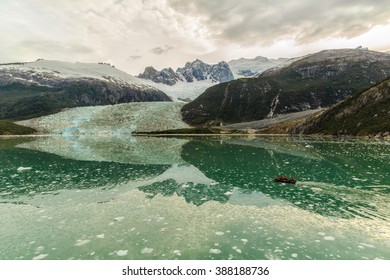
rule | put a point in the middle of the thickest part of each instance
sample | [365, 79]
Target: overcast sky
[133, 34]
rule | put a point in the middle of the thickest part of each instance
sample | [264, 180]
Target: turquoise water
[193, 198]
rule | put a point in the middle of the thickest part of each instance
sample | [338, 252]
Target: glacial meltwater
[193, 198]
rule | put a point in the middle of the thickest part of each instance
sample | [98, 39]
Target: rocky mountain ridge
[192, 71]
[362, 114]
[314, 81]
[45, 87]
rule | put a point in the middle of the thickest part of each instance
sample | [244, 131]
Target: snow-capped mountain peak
[66, 70]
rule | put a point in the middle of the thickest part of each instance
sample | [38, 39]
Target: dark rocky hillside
[362, 114]
[26, 92]
[315, 81]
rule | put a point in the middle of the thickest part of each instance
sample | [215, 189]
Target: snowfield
[49, 69]
[183, 91]
[112, 119]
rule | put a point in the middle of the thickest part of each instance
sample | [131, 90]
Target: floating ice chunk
[118, 219]
[21, 168]
[219, 216]
[228, 193]
[147, 250]
[235, 248]
[40, 248]
[100, 235]
[215, 251]
[219, 233]
[82, 242]
[122, 253]
[321, 233]
[294, 255]
[244, 240]
[40, 257]
[177, 252]
[329, 238]
[367, 245]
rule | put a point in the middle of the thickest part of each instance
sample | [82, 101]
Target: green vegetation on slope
[365, 113]
[9, 128]
[362, 114]
[20, 101]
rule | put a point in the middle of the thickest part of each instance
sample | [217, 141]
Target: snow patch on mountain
[42, 71]
[112, 119]
[183, 91]
[244, 67]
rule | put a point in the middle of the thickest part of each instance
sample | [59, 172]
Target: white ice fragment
[244, 240]
[21, 168]
[219, 233]
[122, 253]
[219, 216]
[100, 235]
[177, 252]
[215, 251]
[329, 238]
[228, 193]
[82, 242]
[147, 250]
[321, 233]
[118, 219]
[40, 248]
[40, 257]
[367, 245]
[294, 255]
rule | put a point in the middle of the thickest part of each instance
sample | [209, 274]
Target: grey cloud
[134, 57]
[251, 21]
[161, 50]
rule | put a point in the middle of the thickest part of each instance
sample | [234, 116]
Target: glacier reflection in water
[193, 198]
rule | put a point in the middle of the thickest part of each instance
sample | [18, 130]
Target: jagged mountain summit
[44, 87]
[188, 82]
[193, 71]
[314, 81]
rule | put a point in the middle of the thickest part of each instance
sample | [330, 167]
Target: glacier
[111, 119]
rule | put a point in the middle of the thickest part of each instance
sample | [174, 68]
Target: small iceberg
[21, 168]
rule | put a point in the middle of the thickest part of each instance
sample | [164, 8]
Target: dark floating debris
[284, 179]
